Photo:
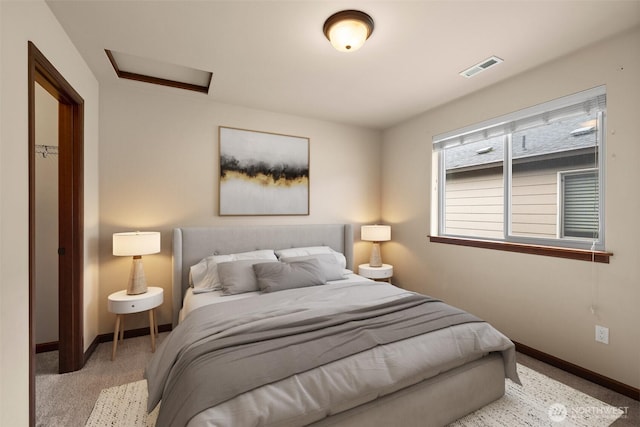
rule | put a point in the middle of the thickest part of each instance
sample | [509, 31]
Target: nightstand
[120, 303]
[376, 273]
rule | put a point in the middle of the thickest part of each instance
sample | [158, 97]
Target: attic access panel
[161, 73]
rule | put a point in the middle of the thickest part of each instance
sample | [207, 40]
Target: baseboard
[92, 347]
[47, 346]
[127, 334]
[579, 371]
[132, 333]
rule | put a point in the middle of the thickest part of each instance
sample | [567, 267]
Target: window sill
[579, 254]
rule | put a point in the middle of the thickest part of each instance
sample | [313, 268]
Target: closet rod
[45, 150]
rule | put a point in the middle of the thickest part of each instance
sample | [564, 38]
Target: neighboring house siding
[535, 203]
[474, 203]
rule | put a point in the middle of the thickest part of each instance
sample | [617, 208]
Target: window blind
[588, 101]
[580, 216]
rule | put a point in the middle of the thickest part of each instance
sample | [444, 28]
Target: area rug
[540, 402]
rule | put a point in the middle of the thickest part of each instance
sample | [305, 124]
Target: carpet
[541, 401]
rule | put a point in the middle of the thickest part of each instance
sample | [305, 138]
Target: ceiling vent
[478, 68]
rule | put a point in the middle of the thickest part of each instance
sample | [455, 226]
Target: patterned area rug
[540, 402]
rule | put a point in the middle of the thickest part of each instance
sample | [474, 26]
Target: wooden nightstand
[376, 273]
[120, 303]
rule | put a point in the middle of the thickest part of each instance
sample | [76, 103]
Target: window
[530, 177]
[579, 206]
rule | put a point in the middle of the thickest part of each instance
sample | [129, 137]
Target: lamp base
[137, 281]
[376, 259]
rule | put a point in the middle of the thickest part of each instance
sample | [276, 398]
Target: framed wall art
[263, 173]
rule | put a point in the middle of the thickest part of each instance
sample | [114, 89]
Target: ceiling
[272, 55]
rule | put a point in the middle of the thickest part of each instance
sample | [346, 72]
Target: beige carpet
[541, 401]
[66, 400]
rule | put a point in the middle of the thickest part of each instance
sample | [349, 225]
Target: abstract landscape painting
[263, 173]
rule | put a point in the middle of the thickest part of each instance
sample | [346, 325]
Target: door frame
[71, 216]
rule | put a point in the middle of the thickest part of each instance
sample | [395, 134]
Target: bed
[204, 376]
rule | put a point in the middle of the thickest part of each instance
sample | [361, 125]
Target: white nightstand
[120, 303]
[376, 273]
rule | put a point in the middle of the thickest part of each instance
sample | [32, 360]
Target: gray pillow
[278, 276]
[328, 263]
[237, 277]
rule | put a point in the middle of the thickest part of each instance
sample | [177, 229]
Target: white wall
[3, 324]
[21, 22]
[159, 169]
[539, 301]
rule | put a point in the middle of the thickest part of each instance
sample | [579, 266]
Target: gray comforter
[214, 355]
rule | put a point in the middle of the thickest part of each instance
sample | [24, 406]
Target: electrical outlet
[602, 334]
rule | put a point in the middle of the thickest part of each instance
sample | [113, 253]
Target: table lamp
[136, 244]
[375, 234]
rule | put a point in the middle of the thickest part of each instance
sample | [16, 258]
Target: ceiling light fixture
[347, 30]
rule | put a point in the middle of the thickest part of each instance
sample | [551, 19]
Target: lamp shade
[348, 30]
[375, 233]
[136, 243]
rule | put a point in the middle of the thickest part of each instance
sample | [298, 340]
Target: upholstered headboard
[192, 244]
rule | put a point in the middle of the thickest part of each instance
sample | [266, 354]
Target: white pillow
[204, 275]
[312, 250]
